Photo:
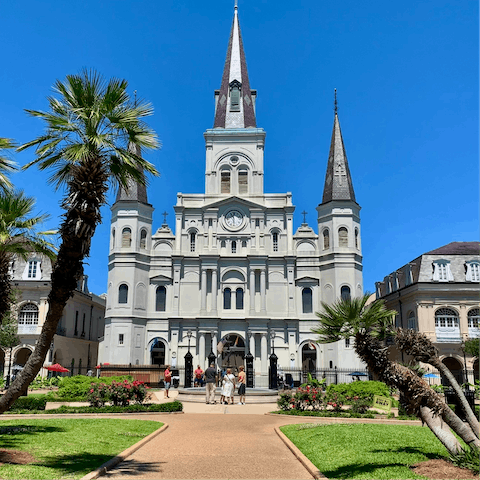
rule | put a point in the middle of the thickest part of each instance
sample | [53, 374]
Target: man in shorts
[167, 378]
[211, 383]
[242, 383]
[198, 377]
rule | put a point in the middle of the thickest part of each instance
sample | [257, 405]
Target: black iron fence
[296, 376]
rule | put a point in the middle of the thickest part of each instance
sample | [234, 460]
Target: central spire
[235, 101]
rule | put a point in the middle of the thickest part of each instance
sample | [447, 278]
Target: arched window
[113, 238]
[223, 244]
[342, 237]
[239, 299]
[473, 318]
[192, 242]
[161, 299]
[234, 246]
[244, 244]
[446, 317]
[307, 300]
[123, 293]
[28, 315]
[326, 239]
[143, 239]
[411, 323]
[345, 292]
[225, 181]
[126, 237]
[227, 299]
[275, 241]
[356, 238]
[242, 181]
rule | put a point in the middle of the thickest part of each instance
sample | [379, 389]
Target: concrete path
[215, 447]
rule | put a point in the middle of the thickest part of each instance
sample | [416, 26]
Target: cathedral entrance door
[233, 353]
[157, 352]
[309, 359]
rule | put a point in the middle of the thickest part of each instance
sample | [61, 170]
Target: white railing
[28, 329]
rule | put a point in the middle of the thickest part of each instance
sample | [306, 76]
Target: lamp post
[273, 364]
[211, 356]
[188, 363]
[249, 362]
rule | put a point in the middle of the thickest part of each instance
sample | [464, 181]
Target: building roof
[235, 74]
[457, 248]
[338, 181]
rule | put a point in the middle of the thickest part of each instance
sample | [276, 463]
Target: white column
[178, 233]
[252, 291]
[203, 307]
[214, 291]
[263, 290]
[264, 355]
[201, 350]
[252, 346]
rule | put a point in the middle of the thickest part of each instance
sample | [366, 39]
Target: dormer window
[441, 271]
[32, 270]
[473, 272]
[235, 96]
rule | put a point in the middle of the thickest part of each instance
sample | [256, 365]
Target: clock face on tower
[233, 219]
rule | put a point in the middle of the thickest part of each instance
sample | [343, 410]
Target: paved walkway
[220, 446]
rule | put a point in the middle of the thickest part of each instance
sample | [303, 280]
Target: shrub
[325, 413]
[335, 401]
[98, 395]
[118, 393]
[360, 405]
[391, 415]
[77, 387]
[153, 407]
[33, 402]
[467, 458]
[313, 382]
[365, 390]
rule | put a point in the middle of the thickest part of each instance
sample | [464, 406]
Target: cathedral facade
[233, 277]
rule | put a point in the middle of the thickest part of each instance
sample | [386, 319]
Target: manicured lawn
[68, 448]
[365, 451]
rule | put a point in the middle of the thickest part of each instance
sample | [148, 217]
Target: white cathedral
[233, 274]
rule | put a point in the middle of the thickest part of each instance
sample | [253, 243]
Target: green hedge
[32, 402]
[153, 407]
[365, 390]
[310, 413]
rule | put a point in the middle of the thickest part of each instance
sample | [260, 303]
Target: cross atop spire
[235, 101]
[336, 104]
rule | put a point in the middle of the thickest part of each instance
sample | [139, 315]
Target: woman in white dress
[228, 387]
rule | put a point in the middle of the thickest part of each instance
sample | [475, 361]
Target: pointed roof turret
[235, 100]
[338, 181]
[135, 191]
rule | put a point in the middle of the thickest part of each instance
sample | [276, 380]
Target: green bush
[154, 407]
[325, 413]
[32, 402]
[364, 390]
[76, 388]
[467, 458]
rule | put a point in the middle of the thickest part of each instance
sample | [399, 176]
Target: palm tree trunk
[414, 390]
[86, 194]
[471, 418]
[440, 430]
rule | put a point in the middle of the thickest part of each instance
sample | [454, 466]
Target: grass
[365, 451]
[68, 448]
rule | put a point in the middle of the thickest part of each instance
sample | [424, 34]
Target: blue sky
[407, 80]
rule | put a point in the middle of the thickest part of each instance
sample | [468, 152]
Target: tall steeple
[338, 181]
[235, 102]
[135, 191]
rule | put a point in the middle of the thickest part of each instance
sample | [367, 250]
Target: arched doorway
[476, 373]
[309, 357]
[233, 352]
[455, 367]
[21, 357]
[157, 352]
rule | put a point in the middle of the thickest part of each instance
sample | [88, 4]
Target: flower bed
[118, 393]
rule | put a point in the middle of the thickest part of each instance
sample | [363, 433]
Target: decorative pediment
[234, 200]
[160, 279]
[306, 281]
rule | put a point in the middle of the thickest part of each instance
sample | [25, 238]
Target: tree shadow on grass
[412, 450]
[13, 436]
[135, 468]
[85, 462]
[354, 470]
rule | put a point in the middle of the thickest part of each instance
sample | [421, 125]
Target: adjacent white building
[233, 270]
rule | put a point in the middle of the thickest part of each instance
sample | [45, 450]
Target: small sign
[383, 403]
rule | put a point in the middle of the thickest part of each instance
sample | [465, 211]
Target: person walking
[167, 378]
[242, 383]
[211, 383]
[229, 387]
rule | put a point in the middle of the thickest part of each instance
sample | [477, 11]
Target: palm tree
[18, 237]
[369, 324]
[422, 349]
[7, 165]
[92, 140]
